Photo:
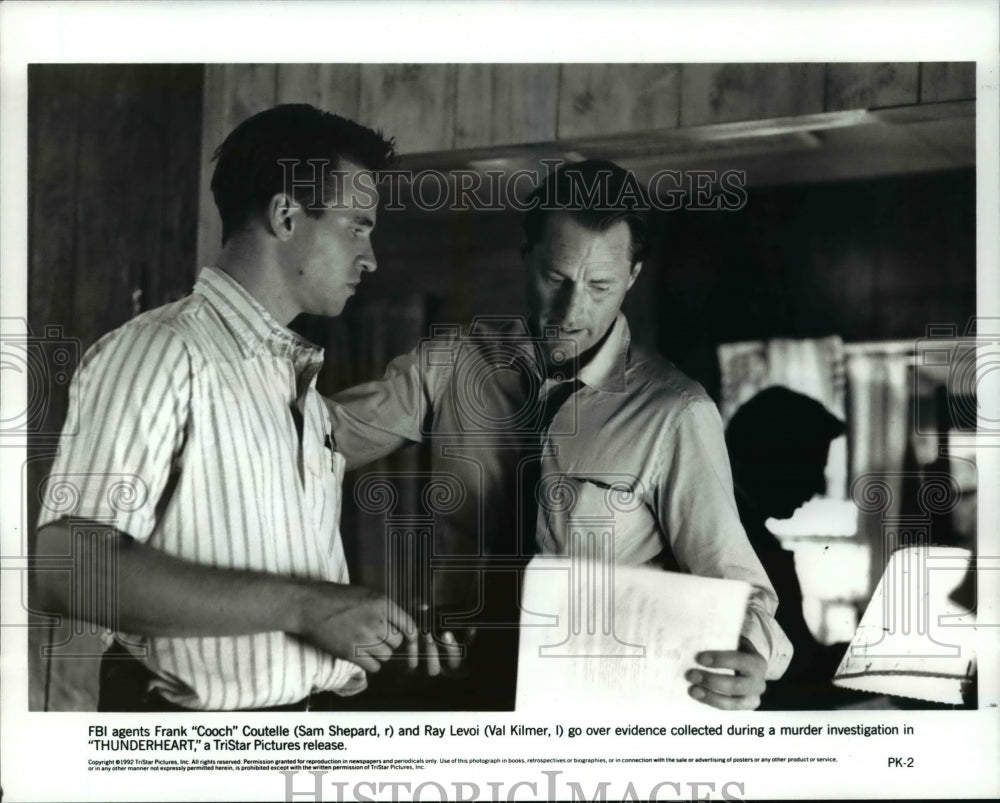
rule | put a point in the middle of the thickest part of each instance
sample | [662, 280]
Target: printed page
[611, 636]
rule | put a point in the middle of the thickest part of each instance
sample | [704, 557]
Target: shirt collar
[606, 369]
[252, 326]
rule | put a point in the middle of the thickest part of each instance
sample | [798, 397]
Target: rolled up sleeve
[697, 512]
[374, 419]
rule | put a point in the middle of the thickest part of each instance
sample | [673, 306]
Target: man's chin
[333, 310]
[784, 512]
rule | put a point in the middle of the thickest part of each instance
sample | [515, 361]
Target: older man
[564, 403]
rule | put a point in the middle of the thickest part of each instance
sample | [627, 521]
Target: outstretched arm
[374, 419]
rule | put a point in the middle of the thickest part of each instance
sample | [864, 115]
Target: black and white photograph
[387, 425]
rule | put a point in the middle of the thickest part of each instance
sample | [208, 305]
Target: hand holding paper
[619, 637]
[740, 691]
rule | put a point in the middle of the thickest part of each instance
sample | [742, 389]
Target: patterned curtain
[879, 411]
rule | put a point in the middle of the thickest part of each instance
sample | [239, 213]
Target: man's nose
[367, 261]
[572, 305]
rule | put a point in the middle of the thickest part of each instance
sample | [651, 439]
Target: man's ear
[636, 268]
[282, 215]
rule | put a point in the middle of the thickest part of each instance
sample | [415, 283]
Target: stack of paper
[612, 637]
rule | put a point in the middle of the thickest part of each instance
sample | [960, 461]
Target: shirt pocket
[604, 511]
[325, 469]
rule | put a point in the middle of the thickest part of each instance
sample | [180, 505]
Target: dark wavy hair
[248, 170]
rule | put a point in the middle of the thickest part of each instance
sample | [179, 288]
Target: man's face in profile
[795, 478]
[327, 256]
[577, 279]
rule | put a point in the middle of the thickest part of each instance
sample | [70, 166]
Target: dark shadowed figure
[778, 445]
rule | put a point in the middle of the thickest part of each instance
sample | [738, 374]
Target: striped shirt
[182, 428]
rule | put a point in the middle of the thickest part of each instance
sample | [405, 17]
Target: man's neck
[250, 264]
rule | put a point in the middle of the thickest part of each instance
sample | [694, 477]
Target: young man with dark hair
[545, 421]
[231, 582]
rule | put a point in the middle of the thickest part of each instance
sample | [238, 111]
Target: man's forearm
[156, 594]
[376, 418]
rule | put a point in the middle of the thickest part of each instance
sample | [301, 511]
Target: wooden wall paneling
[298, 83]
[233, 92]
[525, 103]
[721, 93]
[53, 132]
[118, 211]
[868, 86]
[114, 153]
[947, 80]
[412, 102]
[474, 105]
[119, 197]
[332, 87]
[212, 123]
[340, 89]
[178, 268]
[250, 88]
[597, 99]
[53, 111]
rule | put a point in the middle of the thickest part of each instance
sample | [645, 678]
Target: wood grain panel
[720, 93]
[474, 105]
[53, 133]
[947, 80]
[113, 187]
[233, 92]
[525, 103]
[119, 200]
[596, 99]
[412, 102]
[178, 268]
[331, 87]
[869, 86]
[212, 133]
[53, 130]
[250, 88]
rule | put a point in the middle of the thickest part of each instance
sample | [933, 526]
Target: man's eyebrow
[364, 220]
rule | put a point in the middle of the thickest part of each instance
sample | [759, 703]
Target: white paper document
[612, 637]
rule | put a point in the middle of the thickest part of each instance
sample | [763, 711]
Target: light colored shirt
[181, 427]
[637, 451]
